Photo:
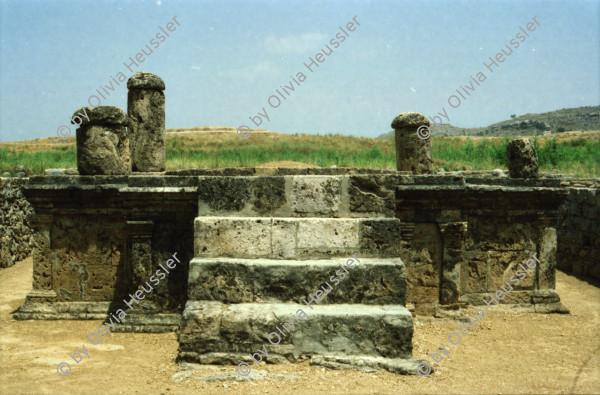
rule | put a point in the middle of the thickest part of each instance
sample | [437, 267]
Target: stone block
[545, 296]
[476, 276]
[426, 308]
[149, 323]
[450, 215]
[52, 310]
[380, 236]
[341, 329]
[427, 237]
[423, 274]
[235, 280]
[368, 364]
[504, 264]
[548, 308]
[285, 238]
[316, 194]
[515, 297]
[269, 194]
[371, 194]
[421, 294]
[236, 236]
[323, 234]
[300, 238]
[223, 194]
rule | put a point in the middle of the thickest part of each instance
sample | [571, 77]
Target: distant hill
[567, 119]
[442, 130]
[213, 129]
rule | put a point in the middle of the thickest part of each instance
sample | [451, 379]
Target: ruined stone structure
[254, 243]
[240, 232]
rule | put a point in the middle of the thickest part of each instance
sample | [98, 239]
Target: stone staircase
[303, 266]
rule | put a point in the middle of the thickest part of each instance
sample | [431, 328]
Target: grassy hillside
[575, 153]
[580, 118]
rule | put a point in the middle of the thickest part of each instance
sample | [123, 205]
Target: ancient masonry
[579, 228]
[16, 235]
[254, 242]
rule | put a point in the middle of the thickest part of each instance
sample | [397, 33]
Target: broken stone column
[522, 159]
[146, 111]
[413, 144]
[102, 141]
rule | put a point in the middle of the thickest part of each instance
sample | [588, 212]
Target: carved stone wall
[469, 232]
[98, 237]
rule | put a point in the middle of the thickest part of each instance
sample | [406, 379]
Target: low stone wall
[578, 230]
[16, 241]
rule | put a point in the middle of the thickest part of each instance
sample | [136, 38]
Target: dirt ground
[507, 353]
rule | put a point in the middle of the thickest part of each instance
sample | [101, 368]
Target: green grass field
[576, 157]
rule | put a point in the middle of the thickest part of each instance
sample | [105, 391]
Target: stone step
[364, 195]
[213, 332]
[370, 281]
[294, 238]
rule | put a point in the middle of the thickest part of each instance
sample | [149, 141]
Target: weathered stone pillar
[453, 234]
[522, 159]
[102, 141]
[146, 111]
[544, 296]
[546, 273]
[140, 259]
[42, 267]
[413, 146]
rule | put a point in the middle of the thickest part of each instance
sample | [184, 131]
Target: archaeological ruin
[254, 242]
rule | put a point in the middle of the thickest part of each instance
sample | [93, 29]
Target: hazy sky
[225, 59]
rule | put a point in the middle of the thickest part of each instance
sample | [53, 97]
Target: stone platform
[267, 238]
